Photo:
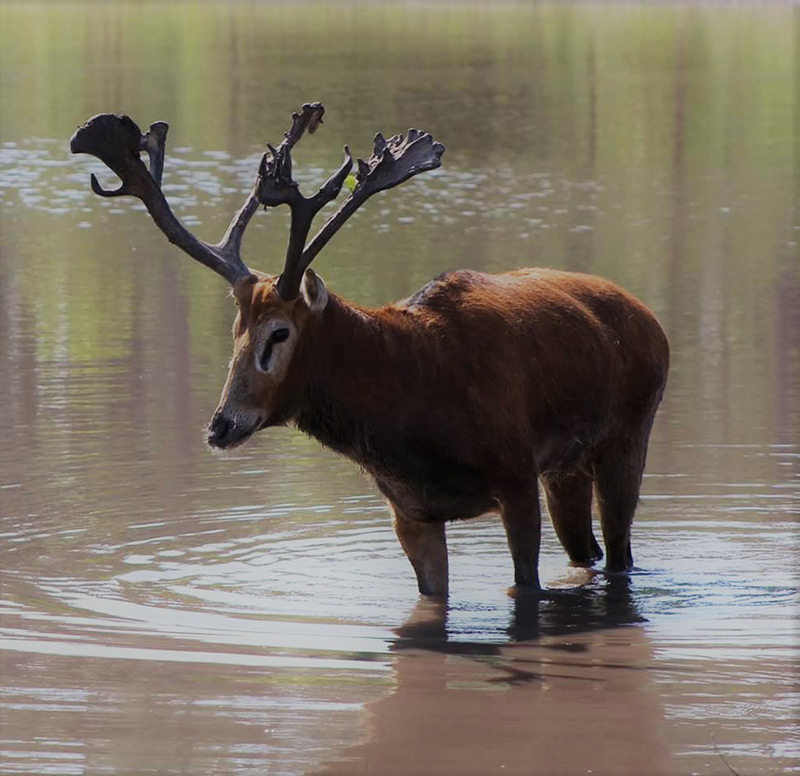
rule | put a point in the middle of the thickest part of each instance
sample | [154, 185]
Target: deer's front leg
[426, 547]
[523, 523]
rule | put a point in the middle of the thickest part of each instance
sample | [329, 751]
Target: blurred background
[167, 611]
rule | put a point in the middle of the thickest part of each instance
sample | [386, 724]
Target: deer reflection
[568, 691]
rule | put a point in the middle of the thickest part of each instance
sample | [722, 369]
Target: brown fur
[458, 399]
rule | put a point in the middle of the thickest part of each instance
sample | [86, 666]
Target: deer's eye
[279, 335]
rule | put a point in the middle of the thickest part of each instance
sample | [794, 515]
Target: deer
[457, 401]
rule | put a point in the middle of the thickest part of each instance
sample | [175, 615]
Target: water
[166, 611]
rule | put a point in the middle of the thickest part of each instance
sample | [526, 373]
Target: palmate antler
[392, 162]
[118, 142]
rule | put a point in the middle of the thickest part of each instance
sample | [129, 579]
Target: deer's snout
[220, 429]
[228, 430]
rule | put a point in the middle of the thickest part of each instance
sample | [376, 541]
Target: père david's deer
[457, 400]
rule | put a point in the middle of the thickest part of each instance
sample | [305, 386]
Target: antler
[277, 187]
[392, 162]
[118, 142]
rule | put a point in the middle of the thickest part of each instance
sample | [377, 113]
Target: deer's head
[273, 311]
[264, 377]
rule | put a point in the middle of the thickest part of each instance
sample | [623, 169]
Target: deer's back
[559, 353]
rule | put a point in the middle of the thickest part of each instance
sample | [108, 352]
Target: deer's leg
[426, 547]
[522, 519]
[618, 471]
[569, 500]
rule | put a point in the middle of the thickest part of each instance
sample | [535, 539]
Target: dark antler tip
[107, 136]
[159, 128]
[313, 107]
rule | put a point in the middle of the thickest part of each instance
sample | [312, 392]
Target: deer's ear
[314, 292]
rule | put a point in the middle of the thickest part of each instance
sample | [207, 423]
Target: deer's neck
[358, 364]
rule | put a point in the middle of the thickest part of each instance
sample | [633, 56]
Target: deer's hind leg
[618, 469]
[569, 501]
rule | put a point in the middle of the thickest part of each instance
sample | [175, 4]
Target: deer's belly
[427, 485]
[427, 502]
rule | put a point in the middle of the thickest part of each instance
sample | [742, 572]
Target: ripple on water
[237, 568]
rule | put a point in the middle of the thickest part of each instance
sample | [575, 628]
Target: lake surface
[167, 611]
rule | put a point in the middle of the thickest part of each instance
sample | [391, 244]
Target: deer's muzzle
[226, 431]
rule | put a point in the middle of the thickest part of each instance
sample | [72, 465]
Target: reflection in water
[557, 698]
[164, 611]
[556, 612]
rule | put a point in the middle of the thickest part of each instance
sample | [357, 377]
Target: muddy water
[165, 611]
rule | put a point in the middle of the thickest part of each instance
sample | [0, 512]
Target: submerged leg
[425, 545]
[523, 523]
[569, 500]
[618, 472]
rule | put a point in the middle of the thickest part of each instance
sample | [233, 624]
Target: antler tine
[277, 187]
[303, 211]
[154, 143]
[393, 162]
[118, 142]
